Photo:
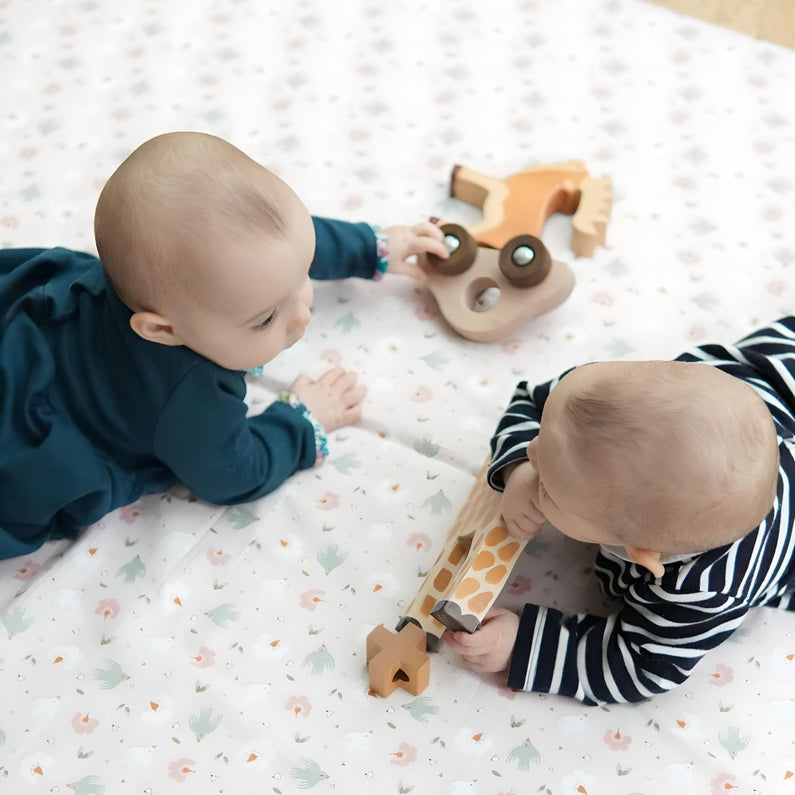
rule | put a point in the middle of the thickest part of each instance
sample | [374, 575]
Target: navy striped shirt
[665, 625]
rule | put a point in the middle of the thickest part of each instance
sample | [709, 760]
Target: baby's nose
[301, 318]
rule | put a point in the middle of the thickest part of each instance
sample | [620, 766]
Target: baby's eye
[268, 320]
[543, 489]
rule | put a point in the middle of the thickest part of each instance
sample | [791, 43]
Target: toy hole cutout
[524, 261]
[400, 676]
[482, 295]
[462, 248]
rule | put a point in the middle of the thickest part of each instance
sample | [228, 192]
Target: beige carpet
[766, 19]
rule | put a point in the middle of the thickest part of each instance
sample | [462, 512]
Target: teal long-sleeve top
[92, 416]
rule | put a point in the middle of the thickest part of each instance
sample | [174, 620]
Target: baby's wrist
[381, 251]
[321, 440]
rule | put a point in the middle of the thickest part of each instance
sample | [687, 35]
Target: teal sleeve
[343, 250]
[204, 437]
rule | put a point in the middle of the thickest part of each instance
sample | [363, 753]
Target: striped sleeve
[647, 648]
[765, 360]
[517, 427]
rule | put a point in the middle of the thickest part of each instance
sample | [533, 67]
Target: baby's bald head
[164, 205]
[681, 457]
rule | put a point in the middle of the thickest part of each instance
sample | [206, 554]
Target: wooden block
[398, 660]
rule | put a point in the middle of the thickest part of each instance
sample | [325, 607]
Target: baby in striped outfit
[681, 473]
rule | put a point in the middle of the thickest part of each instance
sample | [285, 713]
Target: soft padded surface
[179, 647]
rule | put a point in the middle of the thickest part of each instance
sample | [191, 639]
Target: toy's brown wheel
[525, 261]
[462, 248]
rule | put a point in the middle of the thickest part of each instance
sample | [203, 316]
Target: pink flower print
[421, 394]
[205, 658]
[29, 568]
[218, 557]
[617, 741]
[722, 675]
[299, 705]
[721, 784]
[510, 346]
[129, 513]
[404, 755]
[331, 358]
[520, 585]
[603, 299]
[309, 600]
[689, 257]
[84, 724]
[179, 769]
[420, 541]
[328, 501]
[107, 608]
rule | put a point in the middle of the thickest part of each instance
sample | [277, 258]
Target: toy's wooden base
[398, 660]
[514, 307]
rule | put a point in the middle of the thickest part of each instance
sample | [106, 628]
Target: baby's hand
[518, 504]
[334, 399]
[489, 649]
[408, 241]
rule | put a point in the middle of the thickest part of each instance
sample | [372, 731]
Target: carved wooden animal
[522, 203]
[470, 571]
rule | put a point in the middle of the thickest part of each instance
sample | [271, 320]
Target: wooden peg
[398, 660]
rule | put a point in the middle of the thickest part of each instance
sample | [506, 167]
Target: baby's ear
[155, 328]
[648, 559]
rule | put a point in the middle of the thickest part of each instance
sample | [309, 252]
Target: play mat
[178, 647]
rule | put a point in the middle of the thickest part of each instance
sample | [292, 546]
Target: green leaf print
[345, 463]
[437, 502]
[348, 323]
[426, 447]
[204, 723]
[88, 785]
[436, 360]
[331, 557]
[308, 774]
[239, 517]
[421, 708]
[319, 661]
[524, 755]
[223, 614]
[15, 621]
[132, 570]
[111, 676]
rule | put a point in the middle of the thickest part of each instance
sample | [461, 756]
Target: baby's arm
[647, 648]
[510, 470]
[344, 250]
[521, 516]
[204, 437]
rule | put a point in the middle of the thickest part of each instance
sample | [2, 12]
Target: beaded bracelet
[321, 440]
[381, 251]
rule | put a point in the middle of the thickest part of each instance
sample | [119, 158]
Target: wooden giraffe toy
[464, 582]
[471, 569]
[522, 203]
